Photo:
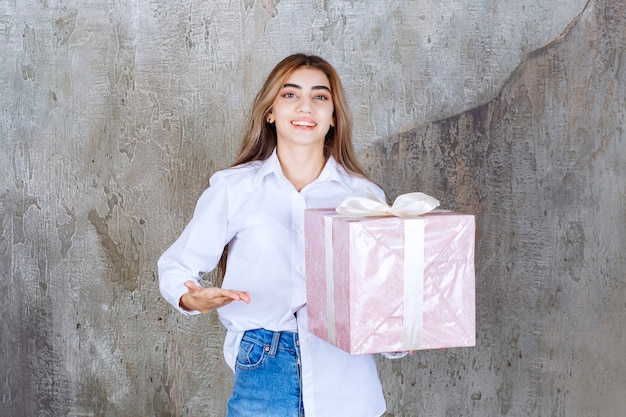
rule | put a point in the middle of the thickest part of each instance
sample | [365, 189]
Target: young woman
[296, 154]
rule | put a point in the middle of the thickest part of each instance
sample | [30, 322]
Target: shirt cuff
[177, 297]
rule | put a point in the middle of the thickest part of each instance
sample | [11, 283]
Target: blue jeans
[268, 382]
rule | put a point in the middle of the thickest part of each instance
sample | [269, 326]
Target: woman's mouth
[304, 123]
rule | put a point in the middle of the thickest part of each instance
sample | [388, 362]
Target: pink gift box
[387, 284]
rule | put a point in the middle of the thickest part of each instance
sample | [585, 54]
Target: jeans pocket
[251, 356]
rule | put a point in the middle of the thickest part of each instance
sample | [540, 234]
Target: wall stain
[4, 244]
[64, 27]
[270, 7]
[124, 255]
[29, 43]
[504, 394]
[65, 231]
[248, 4]
[574, 251]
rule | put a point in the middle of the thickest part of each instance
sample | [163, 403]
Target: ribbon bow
[405, 205]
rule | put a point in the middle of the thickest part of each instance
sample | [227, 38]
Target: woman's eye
[321, 97]
[289, 95]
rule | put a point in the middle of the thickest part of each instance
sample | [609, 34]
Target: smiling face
[303, 110]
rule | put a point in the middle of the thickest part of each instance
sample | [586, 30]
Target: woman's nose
[304, 105]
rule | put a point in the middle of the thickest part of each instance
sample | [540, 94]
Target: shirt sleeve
[199, 247]
[367, 186]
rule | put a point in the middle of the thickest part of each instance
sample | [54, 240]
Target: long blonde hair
[259, 139]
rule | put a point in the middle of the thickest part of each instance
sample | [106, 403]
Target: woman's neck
[301, 165]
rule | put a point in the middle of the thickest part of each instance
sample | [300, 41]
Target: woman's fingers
[233, 294]
[240, 295]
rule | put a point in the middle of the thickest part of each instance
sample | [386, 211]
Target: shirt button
[300, 269]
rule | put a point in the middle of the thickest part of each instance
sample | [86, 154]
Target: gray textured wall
[114, 114]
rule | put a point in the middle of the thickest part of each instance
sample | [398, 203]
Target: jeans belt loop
[274, 345]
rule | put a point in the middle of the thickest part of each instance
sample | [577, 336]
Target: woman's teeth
[301, 123]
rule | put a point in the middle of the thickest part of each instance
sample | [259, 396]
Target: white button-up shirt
[260, 215]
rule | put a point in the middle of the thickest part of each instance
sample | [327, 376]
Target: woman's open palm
[206, 300]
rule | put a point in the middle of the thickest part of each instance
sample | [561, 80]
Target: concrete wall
[114, 114]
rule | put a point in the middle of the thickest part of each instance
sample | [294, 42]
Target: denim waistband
[273, 340]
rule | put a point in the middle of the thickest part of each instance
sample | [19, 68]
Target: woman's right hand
[206, 300]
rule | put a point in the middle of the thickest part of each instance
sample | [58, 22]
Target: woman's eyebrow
[316, 87]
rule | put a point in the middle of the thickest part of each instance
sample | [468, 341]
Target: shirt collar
[268, 166]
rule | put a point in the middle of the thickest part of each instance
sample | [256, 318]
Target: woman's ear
[270, 117]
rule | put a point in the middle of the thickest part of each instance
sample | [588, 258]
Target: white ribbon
[330, 279]
[406, 205]
[413, 279]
